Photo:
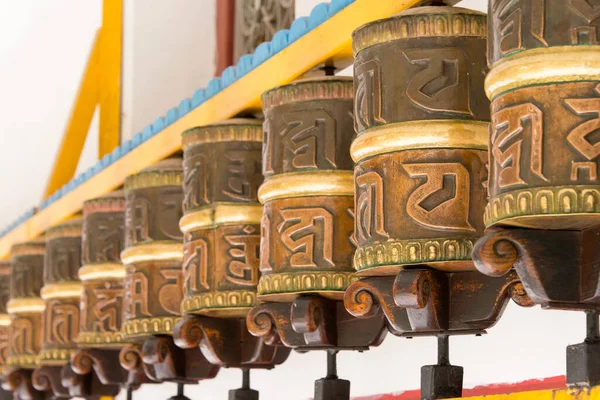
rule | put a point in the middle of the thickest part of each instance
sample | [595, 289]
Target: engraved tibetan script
[242, 166]
[195, 266]
[442, 202]
[508, 21]
[442, 84]
[61, 323]
[62, 263]
[170, 212]
[107, 239]
[24, 280]
[137, 214]
[585, 34]
[368, 95]
[265, 244]
[308, 234]
[195, 182]
[310, 136]
[243, 269]
[370, 219]
[136, 294]
[169, 295]
[509, 129]
[579, 137]
[21, 336]
[106, 309]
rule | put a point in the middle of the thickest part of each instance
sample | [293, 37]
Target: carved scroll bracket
[227, 342]
[105, 365]
[429, 302]
[559, 269]
[87, 386]
[311, 322]
[164, 361]
[48, 379]
[19, 382]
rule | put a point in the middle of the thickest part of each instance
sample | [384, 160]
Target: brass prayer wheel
[4, 318]
[61, 293]
[543, 155]
[153, 251]
[25, 306]
[102, 273]
[307, 193]
[421, 117]
[221, 221]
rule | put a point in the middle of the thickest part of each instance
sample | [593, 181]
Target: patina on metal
[307, 193]
[221, 226]
[25, 308]
[307, 226]
[545, 89]
[421, 117]
[153, 256]
[103, 277]
[544, 197]
[422, 121]
[221, 220]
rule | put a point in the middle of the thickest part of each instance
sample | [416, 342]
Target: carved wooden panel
[420, 79]
[308, 136]
[518, 25]
[101, 312]
[544, 155]
[256, 21]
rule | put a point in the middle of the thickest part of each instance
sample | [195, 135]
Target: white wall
[168, 55]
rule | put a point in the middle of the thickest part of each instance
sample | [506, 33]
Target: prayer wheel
[153, 251]
[4, 318]
[543, 155]
[307, 223]
[25, 306]
[61, 293]
[221, 220]
[102, 273]
[421, 117]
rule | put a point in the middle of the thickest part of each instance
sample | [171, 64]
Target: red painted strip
[555, 382]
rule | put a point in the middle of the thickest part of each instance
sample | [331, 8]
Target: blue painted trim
[282, 39]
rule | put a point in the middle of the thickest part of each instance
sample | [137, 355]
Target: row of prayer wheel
[351, 211]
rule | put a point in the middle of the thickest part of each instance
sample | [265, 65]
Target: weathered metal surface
[307, 193]
[221, 221]
[420, 155]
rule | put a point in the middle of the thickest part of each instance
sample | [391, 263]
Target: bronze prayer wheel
[421, 117]
[307, 194]
[102, 273]
[221, 221]
[543, 156]
[153, 251]
[4, 317]
[61, 293]
[25, 306]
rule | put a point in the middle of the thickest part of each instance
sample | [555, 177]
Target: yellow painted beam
[556, 394]
[330, 40]
[78, 125]
[109, 93]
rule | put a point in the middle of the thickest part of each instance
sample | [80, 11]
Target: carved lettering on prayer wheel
[221, 221]
[420, 156]
[543, 170]
[153, 251]
[25, 306]
[61, 292]
[307, 221]
[4, 317]
[102, 273]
